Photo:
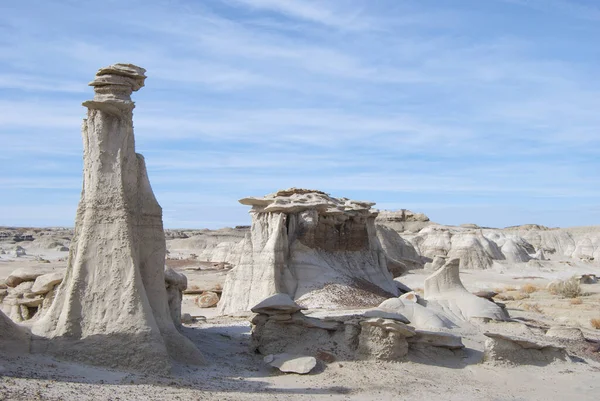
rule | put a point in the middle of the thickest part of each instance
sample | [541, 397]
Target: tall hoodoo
[112, 307]
[321, 251]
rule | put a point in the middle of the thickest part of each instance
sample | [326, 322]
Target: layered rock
[320, 250]
[280, 326]
[112, 307]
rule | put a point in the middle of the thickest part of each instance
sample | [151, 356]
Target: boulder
[24, 274]
[288, 363]
[44, 283]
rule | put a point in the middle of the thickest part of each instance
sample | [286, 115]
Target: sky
[470, 111]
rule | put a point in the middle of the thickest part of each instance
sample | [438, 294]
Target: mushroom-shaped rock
[444, 289]
[289, 363]
[277, 304]
[43, 284]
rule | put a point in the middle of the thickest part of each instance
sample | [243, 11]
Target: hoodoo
[321, 251]
[112, 307]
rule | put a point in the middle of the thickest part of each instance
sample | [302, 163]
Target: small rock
[325, 356]
[565, 333]
[187, 318]
[207, 300]
[289, 363]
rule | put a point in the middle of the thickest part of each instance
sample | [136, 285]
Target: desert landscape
[320, 297]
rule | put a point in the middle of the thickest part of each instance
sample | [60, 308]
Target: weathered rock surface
[207, 299]
[445, 290]
[175, 284]
[518, 350]
[112, 307]
[275, 304]
[23, 274]
[45, 283]
[317, 249]
[288, 363]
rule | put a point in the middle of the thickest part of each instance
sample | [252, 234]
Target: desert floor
[232, 372]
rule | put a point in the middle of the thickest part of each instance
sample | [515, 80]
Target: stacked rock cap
[277, 304]
[117, 81]
[296, 200]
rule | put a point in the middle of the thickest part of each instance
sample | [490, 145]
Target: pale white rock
[43, 284]
[302, 241]
[276, 304]
[444, 289]
[418, 315]
[24, 274]
[288, 363]
[112, 307]
[386, 314]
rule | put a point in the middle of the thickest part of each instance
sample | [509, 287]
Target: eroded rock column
[112, 307]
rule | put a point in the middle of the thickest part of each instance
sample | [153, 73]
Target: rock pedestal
[112, 307]
[321, 251]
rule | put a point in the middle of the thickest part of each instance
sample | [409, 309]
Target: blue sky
[471, 111]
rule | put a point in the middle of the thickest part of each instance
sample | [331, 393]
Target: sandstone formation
[112, 308]
[321, 251]
[281, 327]
[443, 289]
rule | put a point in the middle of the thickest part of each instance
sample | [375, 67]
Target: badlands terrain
[233, 372]
[321, 297]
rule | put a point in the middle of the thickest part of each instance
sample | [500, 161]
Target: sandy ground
[232, 372]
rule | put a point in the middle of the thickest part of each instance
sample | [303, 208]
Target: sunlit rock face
[112, 307]
[320, 250]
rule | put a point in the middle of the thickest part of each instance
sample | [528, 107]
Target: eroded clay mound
[303, 242]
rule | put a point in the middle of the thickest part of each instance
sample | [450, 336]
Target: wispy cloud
[396, 102]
